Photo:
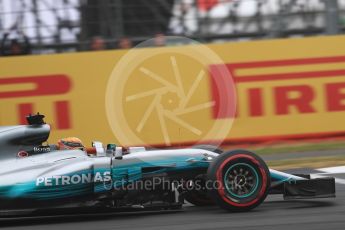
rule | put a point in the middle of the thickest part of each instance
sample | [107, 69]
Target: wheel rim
[241, 180]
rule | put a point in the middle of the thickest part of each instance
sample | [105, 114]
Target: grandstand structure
[70, 25]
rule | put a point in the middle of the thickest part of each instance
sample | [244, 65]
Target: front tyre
[238, 180]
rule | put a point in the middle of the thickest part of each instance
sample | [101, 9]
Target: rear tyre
[199, 196]
[238, 180]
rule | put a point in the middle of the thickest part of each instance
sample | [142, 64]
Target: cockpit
[27, 140]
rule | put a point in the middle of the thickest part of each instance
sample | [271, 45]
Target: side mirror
[118, 153]
[111, 147]
[99, 148]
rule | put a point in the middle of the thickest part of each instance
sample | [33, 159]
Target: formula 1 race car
[36, 177]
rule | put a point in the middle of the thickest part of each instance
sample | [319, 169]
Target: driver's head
[70, 143]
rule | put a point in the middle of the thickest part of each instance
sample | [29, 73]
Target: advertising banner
[239, 92]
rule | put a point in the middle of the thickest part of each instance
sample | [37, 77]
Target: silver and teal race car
[37, 177]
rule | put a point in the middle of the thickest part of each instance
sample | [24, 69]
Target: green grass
[310, 162]
[305, 147]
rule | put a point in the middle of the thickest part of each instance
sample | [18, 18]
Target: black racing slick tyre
[238, 180]
[199, 196]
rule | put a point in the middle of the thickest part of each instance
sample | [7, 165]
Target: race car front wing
[309, 188]
[306, 188]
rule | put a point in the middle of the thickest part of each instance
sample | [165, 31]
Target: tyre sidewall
[217, 169]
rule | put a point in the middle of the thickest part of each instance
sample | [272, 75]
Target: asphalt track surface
[273, 214]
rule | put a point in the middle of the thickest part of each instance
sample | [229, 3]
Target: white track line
[329, 171]
[320, 175]
[339, 169]
[339, 181]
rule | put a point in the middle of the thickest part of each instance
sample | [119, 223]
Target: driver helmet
[70, 143]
